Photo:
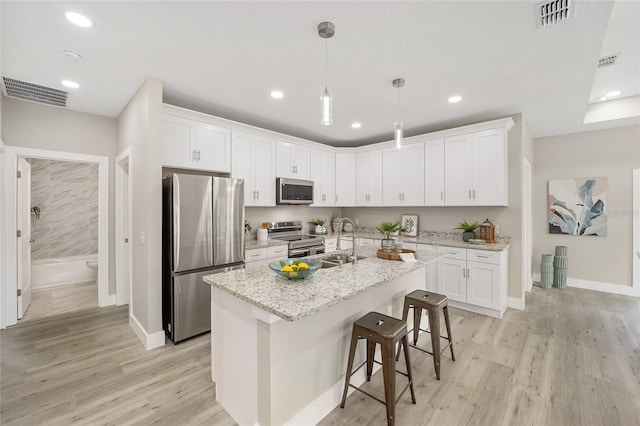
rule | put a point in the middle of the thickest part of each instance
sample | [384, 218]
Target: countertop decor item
[487, 232]
[387, 229]
[319, 226]
[295, 269]
[468, 230]
[393, 256]
[247, 227]
[410, 224]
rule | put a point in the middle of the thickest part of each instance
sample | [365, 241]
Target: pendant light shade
[397, 133]
[326, 30]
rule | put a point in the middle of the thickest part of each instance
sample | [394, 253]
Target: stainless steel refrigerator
[203, 234]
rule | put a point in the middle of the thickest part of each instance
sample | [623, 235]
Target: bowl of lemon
[295, 269]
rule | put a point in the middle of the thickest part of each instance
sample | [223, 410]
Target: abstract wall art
[578, 206]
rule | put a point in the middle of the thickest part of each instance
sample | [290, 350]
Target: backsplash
[67, 195]
[257, 215]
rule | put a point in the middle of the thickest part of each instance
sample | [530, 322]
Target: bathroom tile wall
[67, 195]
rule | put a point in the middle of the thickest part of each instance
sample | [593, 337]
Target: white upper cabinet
[253, 159]
[369, 178]
[403, 172]
[476, 169]
[345, 179]
[194, 144]
[292, 160]
[322, 171]
[434, 173]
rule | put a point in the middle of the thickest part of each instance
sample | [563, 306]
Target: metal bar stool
[432, 302]
[386, 331]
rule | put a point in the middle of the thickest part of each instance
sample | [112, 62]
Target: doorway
[123, 224]
[9, 286]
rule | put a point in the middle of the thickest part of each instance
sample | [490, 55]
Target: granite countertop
[293, 299]
[251, 244]
[448, 239]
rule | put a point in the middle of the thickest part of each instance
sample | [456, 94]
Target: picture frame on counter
[410, 223]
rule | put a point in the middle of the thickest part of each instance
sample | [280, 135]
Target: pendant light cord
[326, 62]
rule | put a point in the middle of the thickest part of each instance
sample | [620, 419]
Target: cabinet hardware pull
[463, 273]
[484, 257]
[198, 155]
[474, 194]
[468, 275]
[442, 195]
[469, 194]
[258, 191]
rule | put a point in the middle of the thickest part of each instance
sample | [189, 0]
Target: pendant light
[326, 30]
[397, 134]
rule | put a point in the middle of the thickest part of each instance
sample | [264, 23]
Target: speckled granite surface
[293, 299]
[255, 244]
[448, 239]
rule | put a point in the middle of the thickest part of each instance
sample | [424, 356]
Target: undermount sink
[339, 259]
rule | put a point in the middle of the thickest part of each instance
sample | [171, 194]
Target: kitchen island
[279, 347]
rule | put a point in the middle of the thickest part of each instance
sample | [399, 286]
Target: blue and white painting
[578, 206]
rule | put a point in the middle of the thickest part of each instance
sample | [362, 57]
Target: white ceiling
[225, 58]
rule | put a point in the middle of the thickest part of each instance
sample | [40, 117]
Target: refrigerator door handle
[176, 221]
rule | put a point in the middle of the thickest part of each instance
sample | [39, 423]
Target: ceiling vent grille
[552, 12]
[607, 61]
[34, 92]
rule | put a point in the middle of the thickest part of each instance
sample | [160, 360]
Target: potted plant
[319, 226]
[387, 229]
[468, 230]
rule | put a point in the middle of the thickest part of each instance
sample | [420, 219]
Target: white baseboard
[110, 300]
[515, 303]
[150, 341]
[597, 286]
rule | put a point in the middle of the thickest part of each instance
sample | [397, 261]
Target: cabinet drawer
[453, 252]
[278, 251]
[484, 256]
[330, 244]
[255, 254]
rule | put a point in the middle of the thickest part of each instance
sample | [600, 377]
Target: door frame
[123, 257]
[636, 232]
[527, 227]
[9, 285]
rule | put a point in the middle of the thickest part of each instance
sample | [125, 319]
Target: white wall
[613, 153]
[139, 128]
[32, 125]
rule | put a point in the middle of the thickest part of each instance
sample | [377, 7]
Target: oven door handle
[296, 252]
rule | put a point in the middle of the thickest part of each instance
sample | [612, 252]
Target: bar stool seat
[386, 331]
[432, 303]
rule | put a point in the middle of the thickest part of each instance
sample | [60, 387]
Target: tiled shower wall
[67, 195]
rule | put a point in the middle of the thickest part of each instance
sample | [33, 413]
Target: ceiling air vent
[552, 12]
[607, 61]
[34, 92]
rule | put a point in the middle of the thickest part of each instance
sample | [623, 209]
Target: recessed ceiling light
[602, 99]
[78, 19]
[277, 94]
[454, 99]
[70, 84]
[356, 125]
[612, 94]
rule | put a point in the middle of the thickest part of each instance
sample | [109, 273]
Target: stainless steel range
[300, 245]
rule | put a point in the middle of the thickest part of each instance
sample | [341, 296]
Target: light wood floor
[53, 301]
[571, 358]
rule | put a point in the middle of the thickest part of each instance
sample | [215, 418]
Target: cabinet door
[458, 171]
[176, 142]
[284, 163]
[454, 284]
[392, 173]
[345, 179]
[412, 175]
[362, 179]
[264, 151]
[483, 284]
[292, 161]
[315, 174]
[375, 178]
[242, 164]
[328, 179]
[214, 148]
[434, 173]
[300, 161]
[489, 169]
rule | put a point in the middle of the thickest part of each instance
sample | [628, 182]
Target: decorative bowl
[292, 270]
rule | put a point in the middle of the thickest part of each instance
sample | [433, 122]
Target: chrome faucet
[346, 219]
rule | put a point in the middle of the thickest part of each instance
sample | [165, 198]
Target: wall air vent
[606, 61]
[34, 92]
[553, 12]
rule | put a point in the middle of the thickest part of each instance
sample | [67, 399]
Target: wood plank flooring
[51, 301]
[571, 358]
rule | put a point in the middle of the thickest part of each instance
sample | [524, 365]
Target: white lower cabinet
[330, 245]
[266, 255]
[475, 280]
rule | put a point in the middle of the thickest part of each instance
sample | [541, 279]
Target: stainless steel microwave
[294, 191]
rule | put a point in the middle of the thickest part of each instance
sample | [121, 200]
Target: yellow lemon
[287, 268]
[293, 274]
[303, 265]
